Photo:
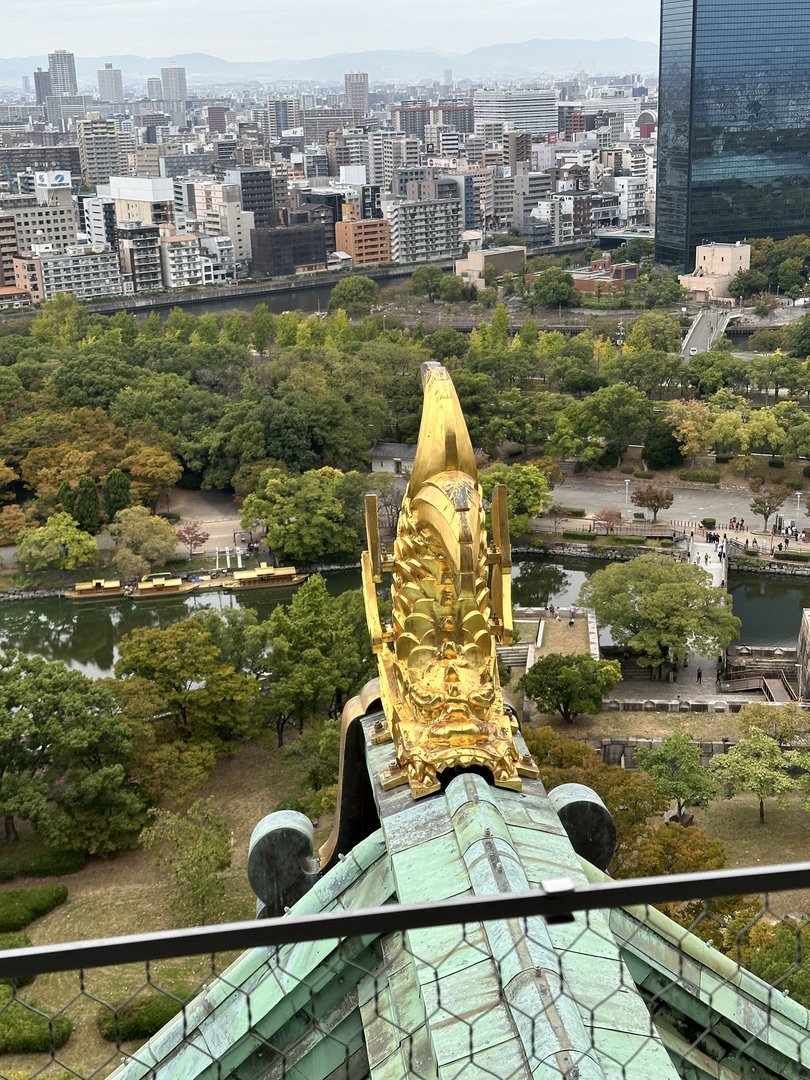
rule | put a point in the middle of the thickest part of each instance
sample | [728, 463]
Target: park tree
[767, 503]
[756, 765]
[690, 422]
[553, 288]
[194, 849]
[115, 492]
[613, 415]
[86, 506]
[202, 699]
[145, 535]
[790, 723]
[357, 295]
[59, 544]
[660, 446]
[12, 522]
[798, 337]
[193, 535]
[608, 518]
[676, 768]
[557, 514]
[527, 489]
[748, 283]
[427, 281]
[652, 497]
[655, 330]
[310, 516]
[64, 758]
[570, 684]
[152, 471]
[661, 609]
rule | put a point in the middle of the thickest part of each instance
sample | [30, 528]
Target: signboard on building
[53, 179]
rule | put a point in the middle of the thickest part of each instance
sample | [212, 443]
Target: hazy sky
[249, 30]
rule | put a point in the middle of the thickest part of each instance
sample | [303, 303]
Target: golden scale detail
[451, 604]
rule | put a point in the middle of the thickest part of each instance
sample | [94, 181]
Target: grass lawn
[559, 637]
[644, 725]
[127, 895]
[782, 839]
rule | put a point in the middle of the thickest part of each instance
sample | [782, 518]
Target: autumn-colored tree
[193, 535]
[608, 518]
[153, 473]
[652, 497]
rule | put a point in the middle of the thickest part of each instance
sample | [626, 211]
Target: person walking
[700, 675]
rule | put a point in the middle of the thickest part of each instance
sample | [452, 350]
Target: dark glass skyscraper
[733, 123]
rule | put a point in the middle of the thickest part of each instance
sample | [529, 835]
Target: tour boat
[152, 586]
[265, 577]
[98, 589]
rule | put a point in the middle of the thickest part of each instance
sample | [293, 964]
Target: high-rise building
[535, 111]
[175, 92]
[62, 69]
[42, 85]
[110, 84]
[102, 153]
[26, 86]
[734, 97]
[355, 91]
[154, 89]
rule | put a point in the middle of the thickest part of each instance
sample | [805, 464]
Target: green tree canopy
[64, 757]
[139, 531]
[356, 295]
[757, 765]
[308, 517]
[59, 544]
[528, 492]
[570, 684]
[676, 768]
[661, 609]
[554, 287]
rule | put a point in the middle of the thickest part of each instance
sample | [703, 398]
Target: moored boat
[97, 589]
[152, 586]
[265, 577]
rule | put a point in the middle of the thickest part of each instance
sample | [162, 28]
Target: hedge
[141, 1017]
[643, 474]
[575, 511]
[700, 476]
[708, 522]
[776, 463]
[16, 941]
[19, 907]
[53, 864]
[722, 459]
[26, 1032]
[806, 470]
[793, 556]
[7, 869]
[578, 534]
[628, 470]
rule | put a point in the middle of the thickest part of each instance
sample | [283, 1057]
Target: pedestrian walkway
[713, 559]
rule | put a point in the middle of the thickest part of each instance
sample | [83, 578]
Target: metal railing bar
[560, 899]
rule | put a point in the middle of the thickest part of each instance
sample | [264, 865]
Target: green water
[86, 635]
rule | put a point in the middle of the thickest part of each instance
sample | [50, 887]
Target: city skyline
[128, 27]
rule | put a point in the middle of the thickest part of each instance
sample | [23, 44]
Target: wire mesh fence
[578, 981]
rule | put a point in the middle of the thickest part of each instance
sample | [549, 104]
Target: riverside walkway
[713, 558]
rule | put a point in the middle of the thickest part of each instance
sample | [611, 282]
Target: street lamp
[798, 506]
[626, 496]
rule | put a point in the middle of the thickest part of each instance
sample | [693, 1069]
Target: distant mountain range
[559, 57]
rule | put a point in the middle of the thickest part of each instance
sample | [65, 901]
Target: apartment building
[423, 231]
[88, 271]
[139, 250]
[368, 242]
[180, 259]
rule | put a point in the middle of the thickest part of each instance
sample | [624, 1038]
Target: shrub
[578, 534]
[608, 460]
[776, 463]
[26, 1032]
[627, 470]
[643, 474]
[53, 864]
[793, 556]
[708, 523]
[15, 941]
[7, 869]
[142, 1017]
[701, 476]
[575, 512]
[639, 540]
[19, 907]
[722, 459]
[806, 470]
[666, 543]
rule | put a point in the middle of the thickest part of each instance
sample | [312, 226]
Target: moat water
[86, 636]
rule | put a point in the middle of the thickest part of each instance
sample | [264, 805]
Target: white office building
[535, 111]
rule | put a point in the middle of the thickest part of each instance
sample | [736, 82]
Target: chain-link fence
[580, 981]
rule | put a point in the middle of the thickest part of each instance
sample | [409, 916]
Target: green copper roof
[522, 999]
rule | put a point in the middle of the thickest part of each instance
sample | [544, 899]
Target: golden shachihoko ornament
[451, 605]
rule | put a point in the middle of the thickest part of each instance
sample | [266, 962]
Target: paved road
[689, 503]
[703, 331]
